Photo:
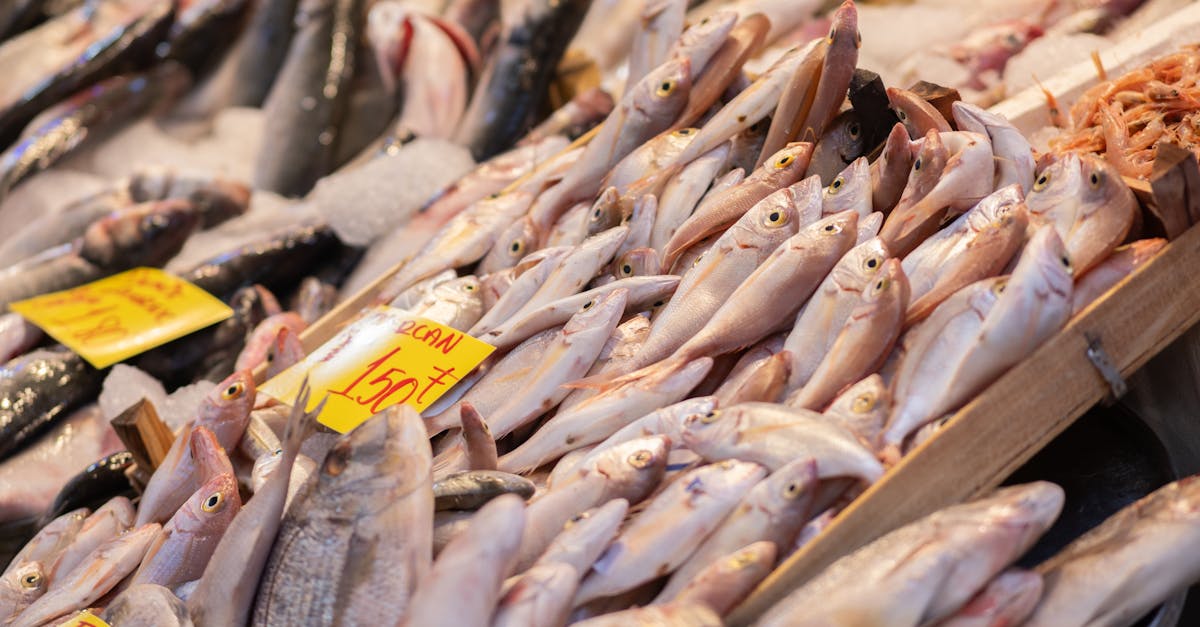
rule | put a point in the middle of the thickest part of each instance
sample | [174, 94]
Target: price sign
[85, 619]
[386, 357]
[123, 315]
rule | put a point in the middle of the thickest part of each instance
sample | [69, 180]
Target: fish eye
[657, 303]
[793, 490]
[1013, 40]
[697, 261]
[1041, 182]
[858, 39]
[684, 132]
[831, 228]
[854, 130]
[704, 21]
[597, 214]
[711, 417]
[640, 459]
[493, 196]
[627, 270]
[917, 165]
[1095, 179]
[233, 392]
[335, 462]
[665, 88]
[469, 287]
[576, 519]
[863, 403]
[516, 247]
[776, 218]
[872, 263]
[998, 288]
[588, 305]
[784, 161]
[154, 222]
[882, 284]
[835, 186]
[213, 503]
[832, 34]
[900, 113]
[1065, 262]
[31, 580]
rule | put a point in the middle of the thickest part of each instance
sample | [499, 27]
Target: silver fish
[840, 145]
[113, 518]
[182, 550]
[540, 597]
[889, 173]
[682, 193]
[661, 24]
[1014, 155]
[576, 269]
[850, 190]
[473, 488]
[531, 274]
[585, 536]
[863, 409]
[648, 158]
[510, 247]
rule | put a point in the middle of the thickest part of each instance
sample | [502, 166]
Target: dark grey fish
[371, 107]
[202, 31]
[62, 56]
[277, 263]
[101, 481]
[313, 299]
[470, 489]
[38, 388]
[309, 99]
[147, 605]
[88, 117]
[843, 141]
[515, 80]
[263, 48]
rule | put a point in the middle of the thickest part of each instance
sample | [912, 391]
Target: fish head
[1044, 264]
[869, 226]
[833, 234]
[787, 165]
[599, 521]
[209, 509]
[790, 489]
[889, 287]
[463, 290]
[717, 425]
[226, 409]
[1057, 186]
[513, 244]
[21, 585]
[773, 219]
[284, 352]
[605, 212]
[843, 29]
[636, 262]
[374, 456]
[928, 163]
[732, 476]
[210, 458]
[707, 35]
[1006, 203]
[850, 190]
[1026, 511]
[869, 398]
[662, 93]
[634, 468]
[1103, 187]
[602, 312]
[148, 234]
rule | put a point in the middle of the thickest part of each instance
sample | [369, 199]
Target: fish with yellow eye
[187, 541]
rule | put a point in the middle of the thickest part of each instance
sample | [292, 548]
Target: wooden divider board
[1025, 409]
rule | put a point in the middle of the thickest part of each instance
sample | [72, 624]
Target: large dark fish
[309, 99]
[147, 235]
[506, 98]
[62, 56]
[201, 32]
[38, 388]
[212, 352]
[88, 117]
[99, 482]
[278, 263]
[263, 48]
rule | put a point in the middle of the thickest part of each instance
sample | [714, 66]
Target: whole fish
[226, 589]
[101, 481]
[39, 388]
[629, 471]
[724, 68]
[532, 272]
[826, 312]
[585, 536]
[1103, 276]
[602, 415]
[775, 435]
[927, 569]
[669, 529]
[226, 412]
[1087, 202]
[1008, 600]
[307, 101]
[977, 334]
[113, 518]
[850, 190]
[661, 25]
[841, 57]
[683, 192]
[146, 236]
[540, 597]
[841, 145]
[577, 268]
[787, 123]
[534, 37]
[1014, 155]
[187, 541]
[27, 576]
[889, 173]
[917, 115]
[773, 510]
[473, 488]
[1143, 553]
[277, 262]
[616, 357]
[375, 479]
[674, 614]
[863, 342]
[717, 212]
[728, 580]
[262, 51]
[146, 605]
[862, 409]
[94, 577]
[72, 51]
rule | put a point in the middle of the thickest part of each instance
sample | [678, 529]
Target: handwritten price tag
[386, 357]
[85, 619]
[123, 315]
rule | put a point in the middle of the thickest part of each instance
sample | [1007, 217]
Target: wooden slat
[1012, 419]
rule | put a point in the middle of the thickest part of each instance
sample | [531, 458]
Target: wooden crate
[1026, 408]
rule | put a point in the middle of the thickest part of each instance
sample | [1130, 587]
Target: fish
[148, 235]
[263, 48]
[534, 37]
[928, 569]
[99, 482]
[862, 409]
[640, 222]
[918, 116]
[841, 57]
[313, 299]
[1089, 205]
[1007, 600]
[1125, 566]
[201, 32]
[38, 389]
[434, 85]
[717, 212]
[540, 597]
[511, 247]
[602, 415]
[226, 589]
[264, 336]
[616, 357]
[478, 441]
[638, 262]
[795, 103]
[629, 471]
[772, 511]
[584, 537]
[94, 577]
[1014, 155]
[822, 317]
[70, 52]
[375, 479]
[977, 334]
[669, 529]
[864, 342]
[579, 115]
[759, 378]
[675, 614]
[841, 145]
[774, 435]
[22, 585]
[277, 262]
[226, 412]
[989, 48]
[850, 190]
[456, 303]
[727, 581]
[1103, 276]
[147, 604]
[532, 272]
[577, 268]
[725, 67]
[182, 550]
[683, 192]
[661, 25]
[889, 173]
[18, 336]
[17, 16]
[27, 576]
[643, 291]
[471, 489]
[700, 42]
[308, 98]
[111, 519]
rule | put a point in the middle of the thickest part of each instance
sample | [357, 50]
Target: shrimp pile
[1127, 118]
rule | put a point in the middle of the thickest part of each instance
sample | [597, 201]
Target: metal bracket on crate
[1104, 365]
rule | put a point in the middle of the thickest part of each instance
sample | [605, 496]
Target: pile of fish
[717, 321]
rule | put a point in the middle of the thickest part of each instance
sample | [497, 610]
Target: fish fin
[301, 423]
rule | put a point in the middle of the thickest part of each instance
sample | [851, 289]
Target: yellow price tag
[123, 315]
[85, 619]
[386, 357]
